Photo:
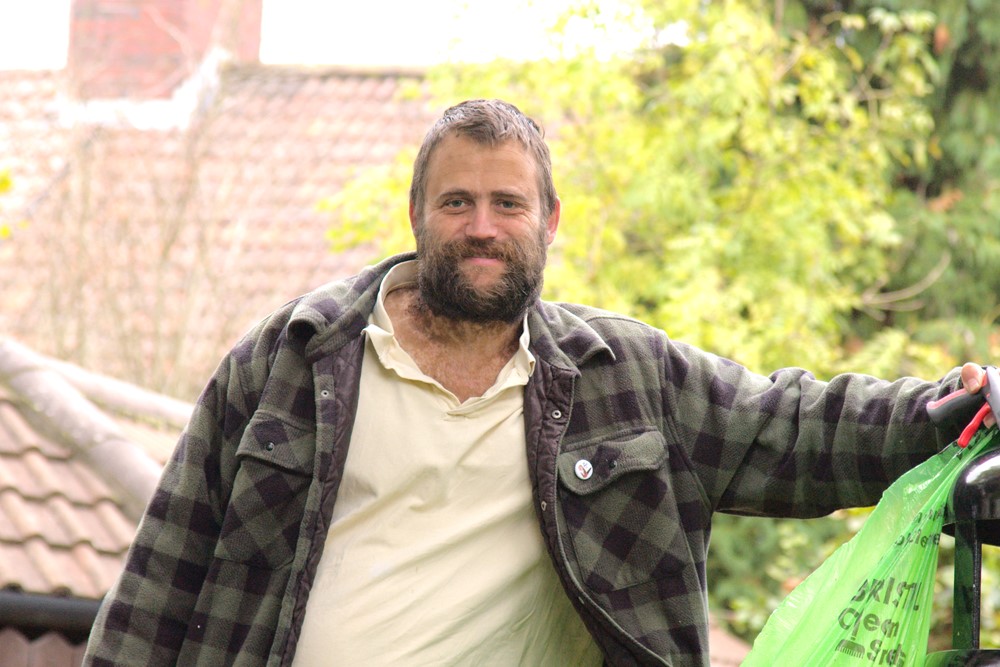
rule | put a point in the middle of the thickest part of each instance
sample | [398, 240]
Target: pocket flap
[278, 443]
[593, 466]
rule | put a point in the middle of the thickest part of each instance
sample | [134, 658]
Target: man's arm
[792, 445]
[144, 617]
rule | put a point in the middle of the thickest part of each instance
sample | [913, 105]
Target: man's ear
[552, 224]
[413, 219]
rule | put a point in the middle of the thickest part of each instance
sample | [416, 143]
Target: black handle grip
[955, 404]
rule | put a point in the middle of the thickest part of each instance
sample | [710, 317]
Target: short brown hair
[491, 123]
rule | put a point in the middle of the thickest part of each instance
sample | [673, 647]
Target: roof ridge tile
[86, 428]
[18, 430]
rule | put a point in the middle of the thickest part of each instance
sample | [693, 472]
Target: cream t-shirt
[434, 556]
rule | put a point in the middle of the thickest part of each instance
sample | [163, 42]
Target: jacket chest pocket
[261, 524]
[621, 514]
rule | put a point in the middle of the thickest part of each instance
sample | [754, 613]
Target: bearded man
[427, 464]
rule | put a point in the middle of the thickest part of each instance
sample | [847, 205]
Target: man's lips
[484, 261]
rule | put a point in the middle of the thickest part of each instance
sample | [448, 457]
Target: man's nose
[482, 224]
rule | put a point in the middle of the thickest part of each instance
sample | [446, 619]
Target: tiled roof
[725, 650]
[65, 524]
[147, 253]
[51, 650]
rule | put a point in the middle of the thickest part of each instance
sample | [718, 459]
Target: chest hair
[464, 358]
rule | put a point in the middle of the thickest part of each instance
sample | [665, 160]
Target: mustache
[466, 248]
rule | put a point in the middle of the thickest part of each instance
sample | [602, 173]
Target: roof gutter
[26, 611]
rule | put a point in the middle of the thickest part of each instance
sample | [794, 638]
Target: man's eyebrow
[509, 194]
[494, 194]
[457, 192]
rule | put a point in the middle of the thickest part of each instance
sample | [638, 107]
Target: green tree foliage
[944, 279]
[779, 183]
[947, 203]
[729, 186]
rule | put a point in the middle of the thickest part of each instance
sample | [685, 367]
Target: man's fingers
[972, 377]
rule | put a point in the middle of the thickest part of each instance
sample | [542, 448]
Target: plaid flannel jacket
[221, 566]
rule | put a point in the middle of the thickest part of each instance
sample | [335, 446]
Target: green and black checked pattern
[220, 570]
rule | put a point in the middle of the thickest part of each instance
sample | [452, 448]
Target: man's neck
[465, 357]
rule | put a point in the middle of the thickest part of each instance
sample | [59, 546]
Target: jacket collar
[563, 338]
[329, 317]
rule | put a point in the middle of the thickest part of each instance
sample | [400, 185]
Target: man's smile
[478, 260]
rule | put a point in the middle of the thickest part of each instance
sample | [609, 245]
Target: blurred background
[808, 183]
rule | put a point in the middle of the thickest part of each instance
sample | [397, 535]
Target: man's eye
[508, 204]
[454, 203]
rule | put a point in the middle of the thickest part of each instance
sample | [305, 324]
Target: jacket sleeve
[792, 445]
[144, 617]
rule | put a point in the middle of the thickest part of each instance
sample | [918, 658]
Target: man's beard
[448, 292]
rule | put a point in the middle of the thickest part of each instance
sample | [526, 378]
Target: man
[426, 464]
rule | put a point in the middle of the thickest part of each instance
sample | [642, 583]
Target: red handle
[973, 426]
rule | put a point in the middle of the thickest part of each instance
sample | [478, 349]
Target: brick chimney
[145, 49]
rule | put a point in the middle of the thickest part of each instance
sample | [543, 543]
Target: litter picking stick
[958, 402]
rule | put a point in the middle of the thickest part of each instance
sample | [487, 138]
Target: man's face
[481, 238]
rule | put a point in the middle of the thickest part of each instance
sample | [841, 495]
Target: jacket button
[544, 505]
[557, 414]
[269, 446]
[583, 469]
[324, 393]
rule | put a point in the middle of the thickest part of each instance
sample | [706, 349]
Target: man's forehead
[461, 158]
[457, 142]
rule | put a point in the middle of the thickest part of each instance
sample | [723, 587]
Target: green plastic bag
[869, 602]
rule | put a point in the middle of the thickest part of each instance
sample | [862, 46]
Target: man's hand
[973, 377]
